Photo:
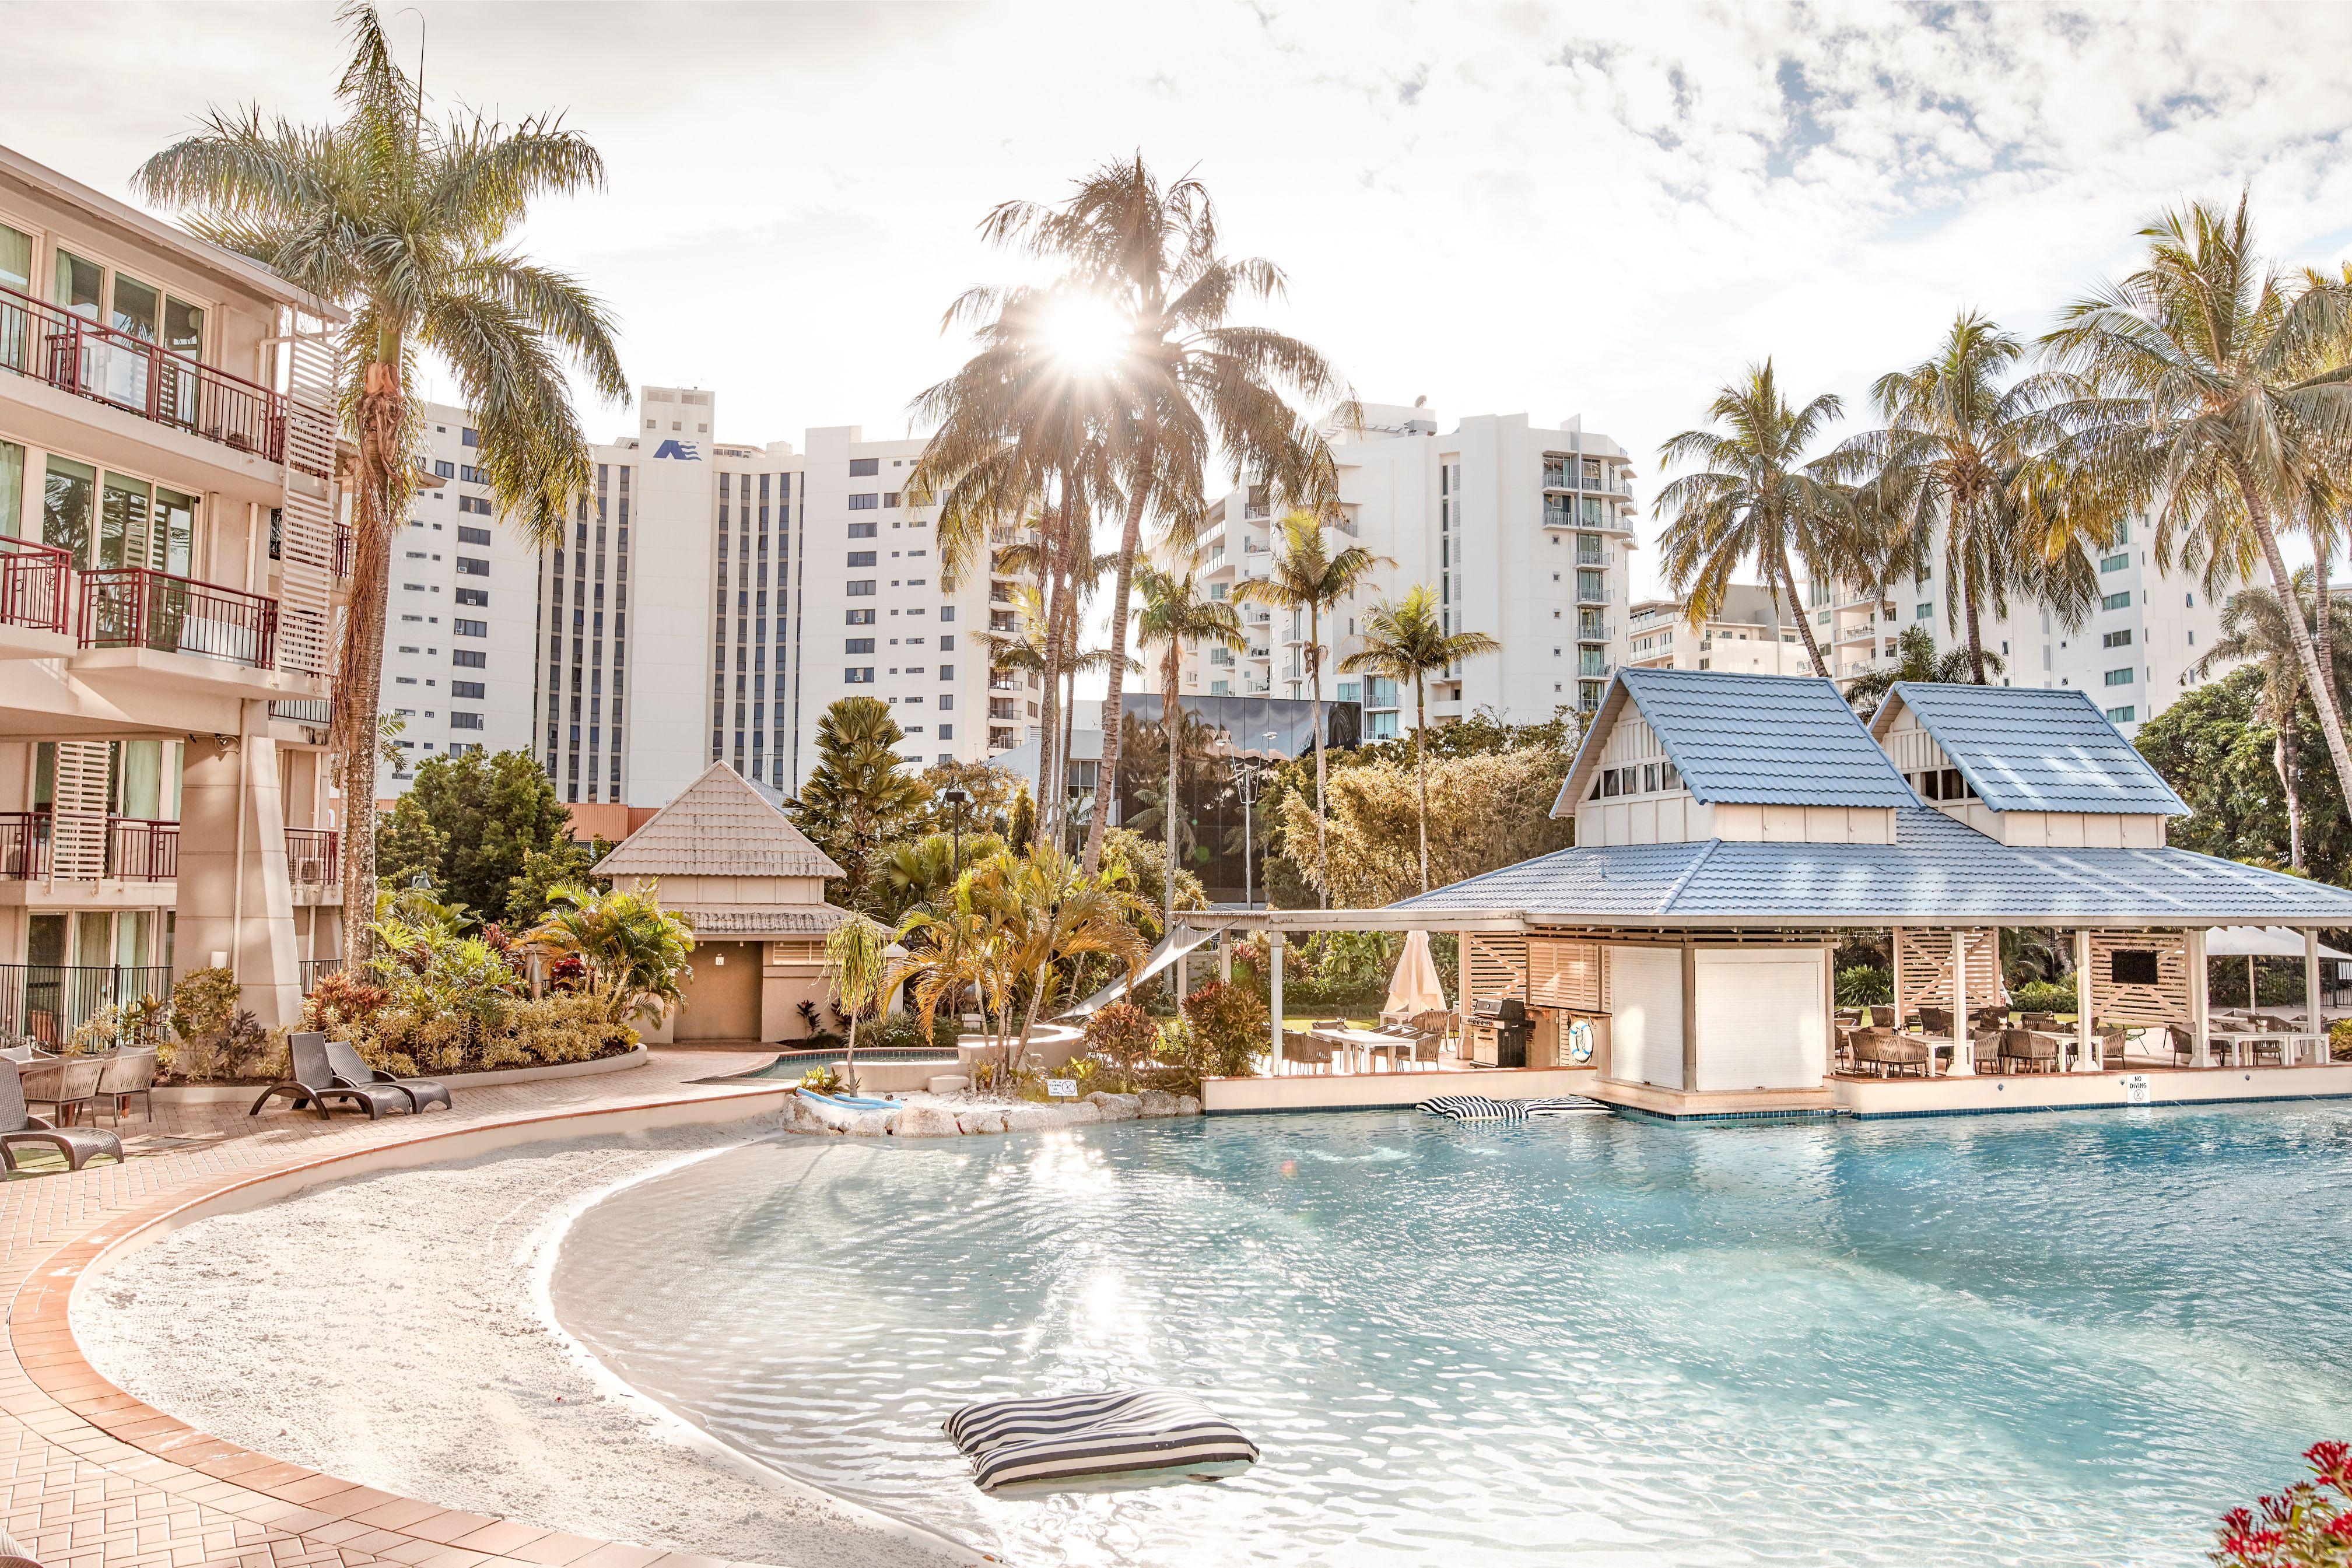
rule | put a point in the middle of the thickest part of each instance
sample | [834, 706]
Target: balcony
[49, 1001]
[1593, 593]
[313, 857]
[44, 343]
[36, 583]
[138, 850]
[132, 607]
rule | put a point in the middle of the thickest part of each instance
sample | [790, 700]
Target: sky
[1595, 210]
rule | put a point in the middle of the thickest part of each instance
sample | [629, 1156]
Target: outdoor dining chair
[2028, 1050]
[130, 1074]
[66, 1085]
[1306, 1051]
[20, 1128]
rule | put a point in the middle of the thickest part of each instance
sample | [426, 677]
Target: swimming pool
[2048, 1340]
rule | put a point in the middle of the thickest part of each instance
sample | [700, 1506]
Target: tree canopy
[487, 829]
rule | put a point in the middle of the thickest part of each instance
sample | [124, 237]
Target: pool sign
[1062, 1088]
[2134, 1088]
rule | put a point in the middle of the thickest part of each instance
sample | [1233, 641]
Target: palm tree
[1756, 496]
[2211, 393]
[1176, 614]
[1408, 640]
[633, 950]
[1306, 575]
[1916, 660]
[2256, 631]
[1954, 456]
[857, 960]
[1185, 382]
[408, 224]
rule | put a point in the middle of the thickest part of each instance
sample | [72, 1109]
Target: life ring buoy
[1579, 1042]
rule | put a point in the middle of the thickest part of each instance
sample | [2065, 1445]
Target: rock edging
[931, 1116]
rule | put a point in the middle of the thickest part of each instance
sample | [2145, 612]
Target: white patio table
[1366, 1042]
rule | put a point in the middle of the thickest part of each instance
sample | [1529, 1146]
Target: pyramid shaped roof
[719, 825]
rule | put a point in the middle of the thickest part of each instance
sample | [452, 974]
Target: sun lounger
[313, 1084]
[352, 1072]
[20, 1128]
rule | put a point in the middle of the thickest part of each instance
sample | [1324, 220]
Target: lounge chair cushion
[1012, 1441]
[1480, 1108]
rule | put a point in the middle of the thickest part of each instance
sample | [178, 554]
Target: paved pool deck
[94, 1477]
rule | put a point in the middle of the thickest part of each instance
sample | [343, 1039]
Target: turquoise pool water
[2045, 1340]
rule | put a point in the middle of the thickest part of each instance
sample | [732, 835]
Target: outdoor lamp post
[959, 799]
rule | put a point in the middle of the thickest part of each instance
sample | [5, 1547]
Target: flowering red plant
[2309, 1525]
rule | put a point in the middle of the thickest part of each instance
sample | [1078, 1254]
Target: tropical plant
[1865, 985]
[1756, 496]
[917, 871]
[408, 224]
[2211, 393]
[1915, 661]
[1227, 1027]
[1177, 613]
[1306, 576]
[857, 966]
[2255, 633]
[2305, 1525]
[1954, 461]
[633, 950]
[859, 796]
[432, 970]
[1123, 1033]
[1406, 641]
[473, 823]
[2213, 744]
[1474, 815]
[1148, 308]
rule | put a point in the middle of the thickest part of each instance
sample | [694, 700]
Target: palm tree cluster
[2208, 393]
[406, 222]
[1108, 391]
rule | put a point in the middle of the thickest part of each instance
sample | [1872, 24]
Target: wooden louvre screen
[306, 525]
[1498, 968]
[1923, 969]
[795, 952]
[2133, 1000]
[1566, 975]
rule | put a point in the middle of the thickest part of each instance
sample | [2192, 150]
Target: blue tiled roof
[2027, 750]
[1936, 871]
[1780, 740]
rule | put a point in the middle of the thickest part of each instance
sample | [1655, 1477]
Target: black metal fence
[48, 1001]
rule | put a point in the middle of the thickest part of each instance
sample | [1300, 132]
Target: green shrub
[2044, 995]
[1123, 1033]
[900, 1031]
[557, 1027]
[1226, 1028]
[1865, 985]
[212, 1038]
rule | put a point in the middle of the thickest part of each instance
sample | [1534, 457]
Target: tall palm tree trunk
[378, 416]
[1050, 791]
[2324, 634]
[1804, 630]
[2323, 692]
[1130, 540]
[1976, 638]
[1169, 716]
[2283, 758]
[1314, 675]
[1421, 771]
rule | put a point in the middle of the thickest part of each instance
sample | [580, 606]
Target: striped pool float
[1479, 1108]
[1010, 1441]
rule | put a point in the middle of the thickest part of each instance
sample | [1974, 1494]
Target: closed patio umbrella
[1414, 989]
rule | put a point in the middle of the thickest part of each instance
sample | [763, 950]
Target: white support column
[1273, 974]
[1184, 977]
[1894, 951]
[2086, 1042]
[1963, 1048]
[2311, 993]
[2200, 1005]
[1225, 955]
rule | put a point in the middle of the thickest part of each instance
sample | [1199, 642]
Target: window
[2122, 678]
[947, 671]
[2117, 639]
[1350, 691]
[2121, 715]
[863, 530]
[1923, 611]
[478, 597]
[466, 689]
[471, 475]
[473, 628]
[859, 645]
[946, 644]
[480, 504]
[468, 435]
[947, 701]
[947, 616]
[463, 658]
[444, 470]
[467, 536]
[865, 503]
[858, 557]
[464, 721]
[889, 500]
[865, 467]
[861, 618]
[2132, 967]
[860, 676]
[862, 587]
[472, 565]
[2115, 601]
[2115, 562]
[947, 732]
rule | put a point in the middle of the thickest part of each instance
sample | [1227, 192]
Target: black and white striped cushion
[1010, 1441]
[1479, 1108]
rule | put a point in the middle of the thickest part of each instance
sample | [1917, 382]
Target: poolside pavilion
[1732, 829]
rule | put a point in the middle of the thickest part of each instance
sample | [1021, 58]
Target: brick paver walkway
[95, 1478]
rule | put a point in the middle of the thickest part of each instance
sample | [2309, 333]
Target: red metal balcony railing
[138, 850]
[24, 846]
[313, 857]
[342, 550]
[132, 607]
[50, 343]
[35, 580]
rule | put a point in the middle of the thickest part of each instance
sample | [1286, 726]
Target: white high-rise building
[1524, 532]
[763, 583]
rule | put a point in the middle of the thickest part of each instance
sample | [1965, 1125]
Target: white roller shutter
[1760, 1019]
[1646, 1016]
